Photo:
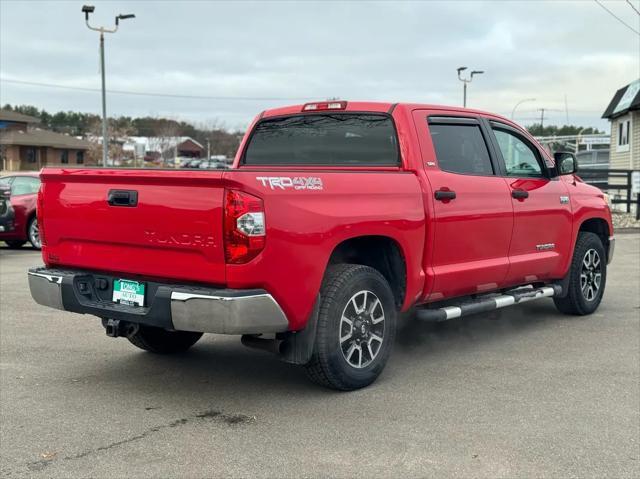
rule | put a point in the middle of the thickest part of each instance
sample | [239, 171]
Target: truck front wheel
[161, 341]
[356, 328]
[588, 275]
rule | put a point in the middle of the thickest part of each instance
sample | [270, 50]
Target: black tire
[161, 341]
[15, 244]
[579, 300]
[329, 365]
[33, 233]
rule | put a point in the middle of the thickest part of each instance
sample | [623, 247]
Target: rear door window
[336, 139]
[461, 149]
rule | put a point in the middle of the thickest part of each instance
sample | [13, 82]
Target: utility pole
[87, 9]
[541, 110]
[465, 81]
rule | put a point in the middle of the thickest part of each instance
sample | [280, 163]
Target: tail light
[40, 216]
[244, 227]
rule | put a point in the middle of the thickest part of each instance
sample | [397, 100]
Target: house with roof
[161, 148]
[24, 146]
[624, 114]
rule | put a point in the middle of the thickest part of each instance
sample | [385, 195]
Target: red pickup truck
[334, 218]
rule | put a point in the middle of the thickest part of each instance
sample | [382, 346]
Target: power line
[165, 95]
[631, 5]
[618, 18]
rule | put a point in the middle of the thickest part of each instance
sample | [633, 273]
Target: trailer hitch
[116, 328]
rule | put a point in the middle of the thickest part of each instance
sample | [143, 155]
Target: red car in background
[24, 227]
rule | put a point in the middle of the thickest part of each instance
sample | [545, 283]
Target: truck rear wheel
[588, 275]
[356, 328]
[161, 341]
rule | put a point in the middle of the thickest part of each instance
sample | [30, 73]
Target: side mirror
[566, 163]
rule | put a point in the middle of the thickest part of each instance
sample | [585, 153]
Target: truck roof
[382, 107]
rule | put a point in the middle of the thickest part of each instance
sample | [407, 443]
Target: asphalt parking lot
[521, 393]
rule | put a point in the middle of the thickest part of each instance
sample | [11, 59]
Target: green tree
[74, 123]
[565, 130]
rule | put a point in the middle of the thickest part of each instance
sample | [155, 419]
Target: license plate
[128, 292]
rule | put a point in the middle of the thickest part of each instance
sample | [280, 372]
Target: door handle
[123, 198]
[519, 194]
[445, 195]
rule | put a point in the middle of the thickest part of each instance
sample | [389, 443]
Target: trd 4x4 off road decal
[297, 183]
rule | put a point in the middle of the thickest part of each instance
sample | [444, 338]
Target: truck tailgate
[158, 223]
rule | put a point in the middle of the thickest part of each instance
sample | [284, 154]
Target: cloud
[397, 51]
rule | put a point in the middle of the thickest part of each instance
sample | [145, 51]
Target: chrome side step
[487, 303]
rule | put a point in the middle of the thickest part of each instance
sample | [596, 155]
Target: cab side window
[461, 149]
[520, 159]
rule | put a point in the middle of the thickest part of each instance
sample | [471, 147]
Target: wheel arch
[382, 253]
[598, 226]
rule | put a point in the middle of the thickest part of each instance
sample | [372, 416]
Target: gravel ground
[523, 392]
[624, 220]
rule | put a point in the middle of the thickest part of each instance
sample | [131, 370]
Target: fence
[618, 182]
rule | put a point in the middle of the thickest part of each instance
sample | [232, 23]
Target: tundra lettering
[182, 239]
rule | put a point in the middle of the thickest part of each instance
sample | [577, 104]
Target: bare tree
[165, 143]
[220, 141]
[118, 135]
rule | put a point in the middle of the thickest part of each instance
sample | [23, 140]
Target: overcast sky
[284, 52]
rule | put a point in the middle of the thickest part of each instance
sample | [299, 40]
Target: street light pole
[465, 81]
[87, 9]
[513, 112]
[464, 94]
[105, 140]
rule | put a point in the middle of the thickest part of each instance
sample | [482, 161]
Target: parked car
[593, 167]
[213, 165]
[334, 218]
[24, 189]
[6, 210]
[195, 163]
[593, 159]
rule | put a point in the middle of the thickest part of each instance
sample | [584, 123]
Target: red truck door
[543, 224]
[472, 210]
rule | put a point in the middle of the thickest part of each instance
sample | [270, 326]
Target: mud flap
[564, 285]
[297, 348]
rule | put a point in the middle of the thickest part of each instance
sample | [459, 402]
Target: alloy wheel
[362, 329]
[591, 275]
[34, 234]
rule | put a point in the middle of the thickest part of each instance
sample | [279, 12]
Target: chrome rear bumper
[169, 306]
[46, 289]
[237, 314]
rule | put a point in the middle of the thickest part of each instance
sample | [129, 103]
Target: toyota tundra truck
[334, 218]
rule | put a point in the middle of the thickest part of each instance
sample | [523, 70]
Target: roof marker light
[325, 105]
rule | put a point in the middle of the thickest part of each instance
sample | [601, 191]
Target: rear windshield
[324, 139]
